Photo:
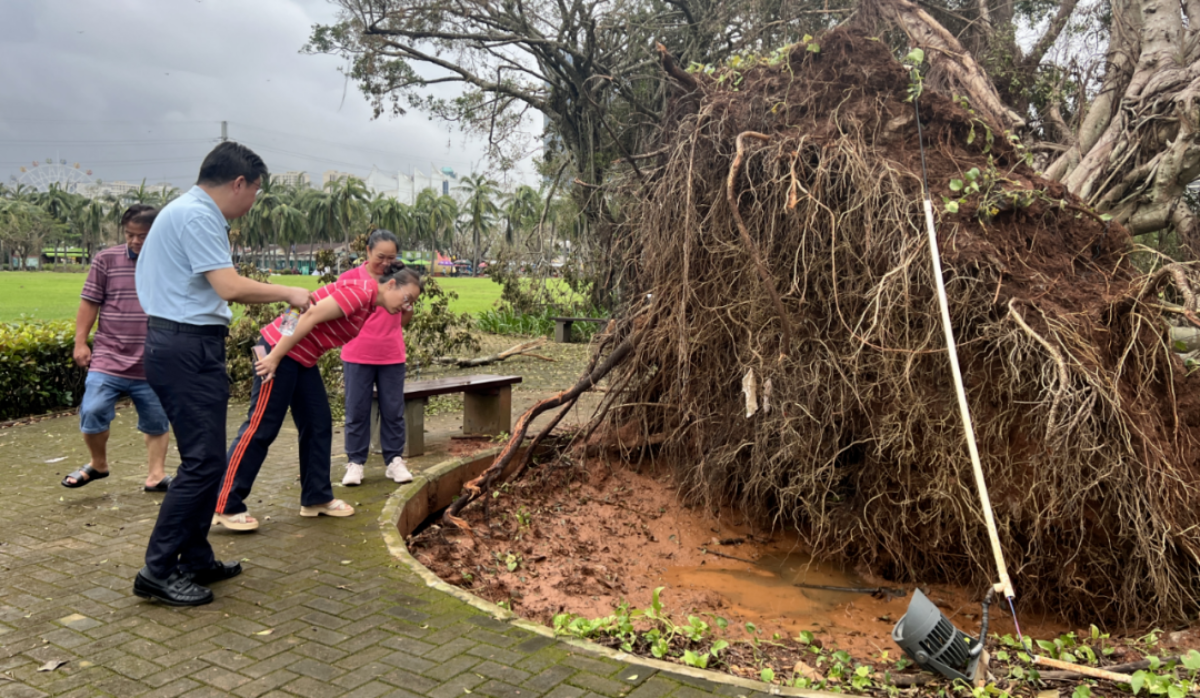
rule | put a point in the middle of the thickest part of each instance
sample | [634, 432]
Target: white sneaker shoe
[353, 476]
[397, 471]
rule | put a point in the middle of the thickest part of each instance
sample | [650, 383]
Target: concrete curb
[394, 511]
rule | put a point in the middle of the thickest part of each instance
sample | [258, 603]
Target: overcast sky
[134, 89]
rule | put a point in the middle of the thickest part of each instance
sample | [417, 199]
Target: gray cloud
[136, 89]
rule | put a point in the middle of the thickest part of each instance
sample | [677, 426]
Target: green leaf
[718, 646]
[951, 207]
[767, 675]
[972, 174]
[1191, 660]
[956, 185]
[1106, 217]
[1139, 680]
[1175, 690]
[813, 47]
[752, 628]
[659, 648]
[1082, 691]
[915, 57]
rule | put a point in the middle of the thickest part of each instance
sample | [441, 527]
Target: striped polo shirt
[355, 297]
[120, 336]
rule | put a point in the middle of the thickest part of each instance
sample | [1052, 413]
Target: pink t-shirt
[381, 340]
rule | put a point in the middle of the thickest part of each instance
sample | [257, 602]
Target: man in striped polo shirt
[114, 363]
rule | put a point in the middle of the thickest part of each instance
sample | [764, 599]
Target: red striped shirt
[356, 298]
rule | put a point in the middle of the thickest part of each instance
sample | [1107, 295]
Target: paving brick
[373, 689]
[221, 678]
[499, 689]
[177, 687]
[548, 678]
[410, 681]
[565, 691]
[600, 667]
[533, 644]
[451, 667]
[279, 661]
[317, 670]
[308, 687]
[597, 684]
[655, 687]
[264, 684]
[500, 672]
[457, 686]
[691, 692]
[496, 654]
[450, 649]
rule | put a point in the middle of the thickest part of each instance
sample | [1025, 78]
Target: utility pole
[224, 131]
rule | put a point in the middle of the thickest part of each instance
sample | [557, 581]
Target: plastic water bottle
[288, 324]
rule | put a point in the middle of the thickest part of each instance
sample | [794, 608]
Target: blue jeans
[100, 395]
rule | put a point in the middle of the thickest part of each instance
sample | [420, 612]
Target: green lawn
[54, 296]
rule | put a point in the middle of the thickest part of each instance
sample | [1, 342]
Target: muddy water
[767, 590]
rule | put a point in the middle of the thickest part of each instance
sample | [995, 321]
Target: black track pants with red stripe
[300, 389]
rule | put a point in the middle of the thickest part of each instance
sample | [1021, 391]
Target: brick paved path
[322, 610]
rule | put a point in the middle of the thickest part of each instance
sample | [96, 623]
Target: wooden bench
[562, 326]
[487, 408]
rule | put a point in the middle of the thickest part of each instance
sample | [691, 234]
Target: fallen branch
[518, 350]
[487, 478]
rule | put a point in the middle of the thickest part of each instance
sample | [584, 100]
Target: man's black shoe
[219, 572]
[176, 590]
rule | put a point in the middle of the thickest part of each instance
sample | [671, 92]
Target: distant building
[333, 176]
[298, 180]
[119, 189]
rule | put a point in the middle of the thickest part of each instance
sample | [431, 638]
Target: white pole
[1005, 584]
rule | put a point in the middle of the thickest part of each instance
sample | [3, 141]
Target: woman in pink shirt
[374, 361]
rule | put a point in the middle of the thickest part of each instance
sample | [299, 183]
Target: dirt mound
[1085, 418]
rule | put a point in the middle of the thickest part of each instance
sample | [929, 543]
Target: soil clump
[583, 541]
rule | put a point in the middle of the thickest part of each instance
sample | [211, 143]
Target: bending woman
[375, 361]
[288, 376]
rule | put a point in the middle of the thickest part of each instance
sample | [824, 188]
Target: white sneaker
[397, 472]
[353, 476]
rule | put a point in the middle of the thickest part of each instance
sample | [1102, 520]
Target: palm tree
[522, 209]
[91, 218]
[391, 214]
[350, 198]
[481, 209]
[435, 215]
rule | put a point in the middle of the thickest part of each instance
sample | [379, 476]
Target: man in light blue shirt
[185, 279]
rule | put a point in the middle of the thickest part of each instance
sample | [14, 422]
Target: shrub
[37, 369]
[434, 330]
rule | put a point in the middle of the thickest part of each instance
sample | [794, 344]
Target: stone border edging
[395, 508]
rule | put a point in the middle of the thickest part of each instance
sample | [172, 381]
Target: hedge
[37, 368]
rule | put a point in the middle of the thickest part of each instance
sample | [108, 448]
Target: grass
[52, 296]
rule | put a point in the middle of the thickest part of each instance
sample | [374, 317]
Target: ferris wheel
[68, 177]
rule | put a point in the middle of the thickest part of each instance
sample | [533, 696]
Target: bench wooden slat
[457, 384]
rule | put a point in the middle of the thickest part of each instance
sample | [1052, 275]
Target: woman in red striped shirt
[288, 377]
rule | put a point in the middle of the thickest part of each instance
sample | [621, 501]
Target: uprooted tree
[783, 249]
[773, 215]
